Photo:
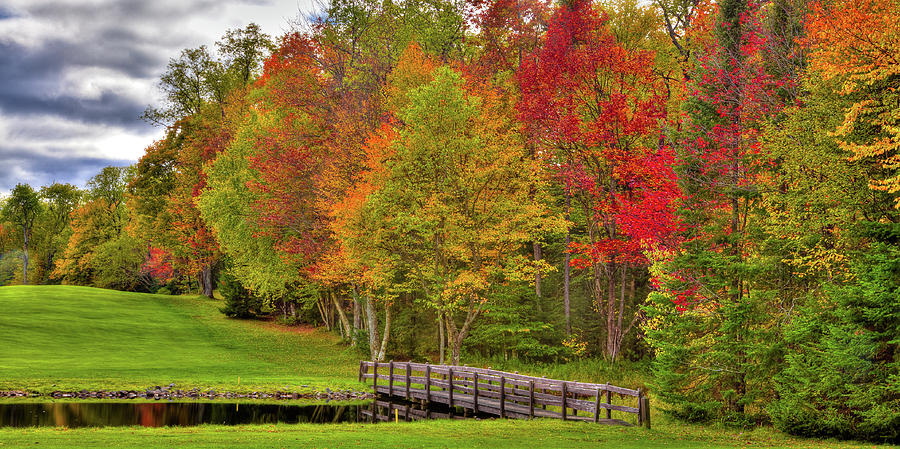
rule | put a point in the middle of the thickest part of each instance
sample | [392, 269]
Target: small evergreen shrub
[239, 302]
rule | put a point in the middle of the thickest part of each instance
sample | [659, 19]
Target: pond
[160, 414]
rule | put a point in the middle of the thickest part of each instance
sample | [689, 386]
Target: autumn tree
[835, 235]
[832, 207]
[858, 43]
[22, 209]
[450, 203]
[728, 276]
[593, 107]
[325, 89]
[205, 102]
[99, 251]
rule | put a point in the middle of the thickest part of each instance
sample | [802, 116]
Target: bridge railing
[505, 394]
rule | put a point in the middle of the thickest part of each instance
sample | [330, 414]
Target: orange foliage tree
[858, 42]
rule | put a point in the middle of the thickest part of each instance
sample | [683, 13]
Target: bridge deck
[503, 394]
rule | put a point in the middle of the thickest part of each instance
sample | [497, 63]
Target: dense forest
[710, 185]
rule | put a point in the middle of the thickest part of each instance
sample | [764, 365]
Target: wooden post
[502, 397]
[475, 392]
[597, 405]
[362, 363]
[544, 391]
[450, 386]
[407, 389]
[375, 377]
[531, 399]
[427, 384]
[564, 392]
[645, 410]
[391, 378]
[608, 402]
[640, 413]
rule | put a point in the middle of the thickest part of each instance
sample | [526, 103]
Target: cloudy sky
[75, 76]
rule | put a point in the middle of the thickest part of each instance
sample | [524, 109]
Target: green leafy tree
[60, 200]
[22, 209]
[841, 374]
[117, 264]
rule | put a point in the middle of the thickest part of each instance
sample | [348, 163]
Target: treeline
[712, 185]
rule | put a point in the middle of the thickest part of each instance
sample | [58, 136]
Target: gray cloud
[76, 75]
[50, 168]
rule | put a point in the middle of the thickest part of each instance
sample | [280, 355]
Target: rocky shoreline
[169, 393]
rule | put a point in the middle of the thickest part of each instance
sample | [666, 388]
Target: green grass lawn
[69, 338]
[493, 434]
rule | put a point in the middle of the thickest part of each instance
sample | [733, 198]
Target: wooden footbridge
[503, 394]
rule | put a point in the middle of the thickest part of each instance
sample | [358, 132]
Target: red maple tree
[593, 109]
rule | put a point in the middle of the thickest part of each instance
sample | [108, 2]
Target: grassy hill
[65, 338]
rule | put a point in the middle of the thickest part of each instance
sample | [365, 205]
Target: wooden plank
[492, 406]
[450, 385]
[588, 406]
[391, 378]
[531, 399]
[640, 414]
[475, 391]
[645, 410]
[439, 369]
[608, 403]
[502, 397]
[407, 386]
[581, 387]
[428, 383]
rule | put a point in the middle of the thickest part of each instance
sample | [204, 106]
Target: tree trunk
[357, 316]
[345, 323]
[25, 260]
[372, 318]
[323, 313]
[387, 332]
[611, 312]
[456, 336]
[619, 319]
[456, 347]
[566, 272]
[206, 281]
[441, 337]
[537, 276]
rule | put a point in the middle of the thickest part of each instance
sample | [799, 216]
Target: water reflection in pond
[159, 414]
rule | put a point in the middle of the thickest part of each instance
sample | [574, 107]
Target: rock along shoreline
[169, 393]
